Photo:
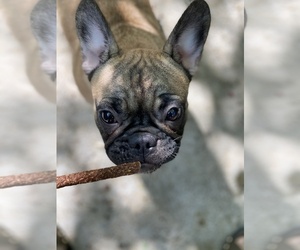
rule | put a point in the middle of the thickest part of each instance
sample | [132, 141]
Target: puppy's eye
[107, 117]
[173, 114]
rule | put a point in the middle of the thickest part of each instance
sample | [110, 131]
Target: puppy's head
[140, 95]
[140, 108]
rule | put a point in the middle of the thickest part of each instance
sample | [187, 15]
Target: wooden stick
[71, 179]
[98, 174]
[27, 179]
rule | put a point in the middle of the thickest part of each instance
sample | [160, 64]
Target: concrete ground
[272, 116]
[193, 202]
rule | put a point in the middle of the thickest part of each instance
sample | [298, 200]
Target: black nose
[143, 142]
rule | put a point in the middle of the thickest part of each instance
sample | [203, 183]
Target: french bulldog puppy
[139, 80]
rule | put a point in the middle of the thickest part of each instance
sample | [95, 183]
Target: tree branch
[70, 179]
[27, 179]
[98, 174]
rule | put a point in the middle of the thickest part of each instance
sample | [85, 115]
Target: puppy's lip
[148, 167]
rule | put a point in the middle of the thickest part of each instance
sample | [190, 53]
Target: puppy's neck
[133, 24]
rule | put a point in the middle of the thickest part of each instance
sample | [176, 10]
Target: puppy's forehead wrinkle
[141, 74]
[138, 79]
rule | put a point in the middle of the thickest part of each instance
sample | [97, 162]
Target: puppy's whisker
[177, 138]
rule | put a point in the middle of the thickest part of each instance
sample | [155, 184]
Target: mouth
[151, 149]
[149, 163]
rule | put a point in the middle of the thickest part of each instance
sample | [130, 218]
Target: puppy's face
[140, 107]
[140, 95]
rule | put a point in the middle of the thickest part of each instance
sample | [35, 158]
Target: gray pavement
[272, 105]
[193, 202]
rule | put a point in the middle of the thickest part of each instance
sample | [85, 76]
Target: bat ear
[43, 26]
[186, 41]
[96, 39]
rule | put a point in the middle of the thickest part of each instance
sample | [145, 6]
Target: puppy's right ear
[96, 39]
[186, 41]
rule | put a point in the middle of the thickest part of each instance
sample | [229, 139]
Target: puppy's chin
[148, 168]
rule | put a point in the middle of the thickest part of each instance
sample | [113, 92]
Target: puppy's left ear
[186, 42]
[96, 39]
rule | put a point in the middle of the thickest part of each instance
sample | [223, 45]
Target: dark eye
[173, 114]
[107, 117]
